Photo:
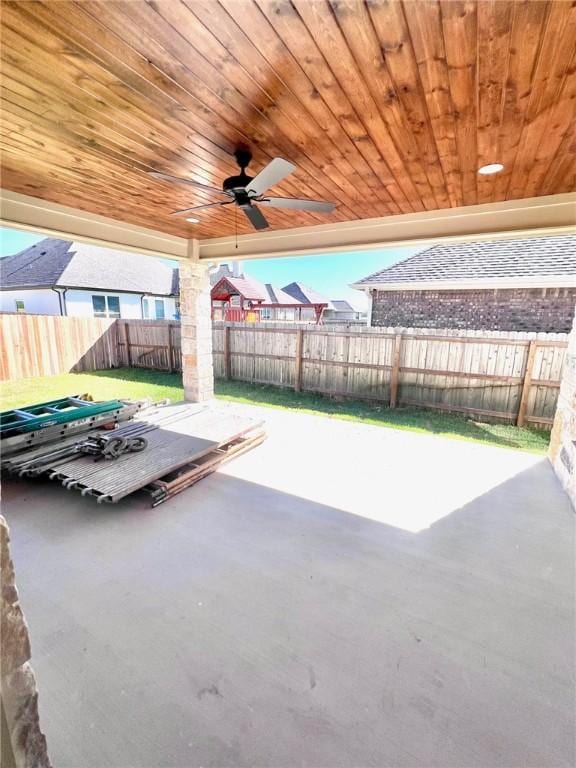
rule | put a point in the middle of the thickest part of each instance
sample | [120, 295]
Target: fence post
[118, 356]
[526, 385]
[127, 339]
[298, 360]
[170, 350]
[395, 375]
[226, 350]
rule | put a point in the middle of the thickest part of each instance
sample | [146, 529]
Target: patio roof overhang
[544, 216]
[388, 109]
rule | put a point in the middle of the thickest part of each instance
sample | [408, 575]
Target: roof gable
[243, 286]
[278, 296]
[341, 305]
[40, 265]
[305, 294]
[535, 260]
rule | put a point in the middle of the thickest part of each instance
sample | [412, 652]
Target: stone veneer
[562, 449]
[196, 330]
[548, 310]
[23, 743]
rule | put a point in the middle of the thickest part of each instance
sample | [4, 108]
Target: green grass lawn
[138, 383]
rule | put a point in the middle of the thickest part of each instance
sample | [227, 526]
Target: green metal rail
[42, 415]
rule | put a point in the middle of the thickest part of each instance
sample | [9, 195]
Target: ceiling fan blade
[179, 180]
[255, 217]
[304, 205]
[186, 211]
[272, 174]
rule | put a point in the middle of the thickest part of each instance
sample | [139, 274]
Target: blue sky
[329, 274]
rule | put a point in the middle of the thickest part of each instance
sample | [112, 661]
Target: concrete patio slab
[344, 595]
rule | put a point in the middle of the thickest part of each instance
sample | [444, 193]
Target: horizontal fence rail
[513, 377]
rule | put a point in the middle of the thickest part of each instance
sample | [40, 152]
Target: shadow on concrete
[238, 625]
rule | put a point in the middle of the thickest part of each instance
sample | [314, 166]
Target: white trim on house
[369, 310]
[514, 219]
[551, 281]
[78, 302]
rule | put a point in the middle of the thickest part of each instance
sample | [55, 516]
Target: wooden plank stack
[184, 443]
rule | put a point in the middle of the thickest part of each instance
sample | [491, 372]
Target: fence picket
[512, 376]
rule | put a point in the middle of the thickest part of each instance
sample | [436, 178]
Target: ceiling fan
[245, 191]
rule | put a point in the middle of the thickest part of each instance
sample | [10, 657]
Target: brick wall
[521, 309]
[563, 439]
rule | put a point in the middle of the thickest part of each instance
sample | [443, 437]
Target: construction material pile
[165, 450]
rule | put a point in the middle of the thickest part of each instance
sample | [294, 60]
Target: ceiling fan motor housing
[237, 183]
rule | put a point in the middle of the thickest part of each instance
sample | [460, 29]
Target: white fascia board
[36, 215]
[514, 219]
[565, 281]
[543, 216]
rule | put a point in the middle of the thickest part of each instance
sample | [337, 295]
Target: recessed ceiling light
[193, 220]
[486, 170]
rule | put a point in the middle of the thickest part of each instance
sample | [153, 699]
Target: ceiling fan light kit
[245, 191]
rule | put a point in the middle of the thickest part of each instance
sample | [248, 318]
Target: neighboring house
[237, 296]
[308, 296]
[341, 311]
[62, 277]
[503, 285]
[246, 299]
[226, 270]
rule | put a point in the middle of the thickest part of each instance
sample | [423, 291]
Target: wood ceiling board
[385, 107]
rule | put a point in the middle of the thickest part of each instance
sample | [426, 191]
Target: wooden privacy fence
[149, 344]
[513, 376]
[45, 345]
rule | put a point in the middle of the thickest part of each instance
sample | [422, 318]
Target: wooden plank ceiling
[385, 107]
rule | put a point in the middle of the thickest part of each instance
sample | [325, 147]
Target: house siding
[44, 301]
[37, 301]
[520, 309]
[79, 303]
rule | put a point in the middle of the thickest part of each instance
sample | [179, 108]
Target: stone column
[196, 328]
[562, 449]
[23, 743]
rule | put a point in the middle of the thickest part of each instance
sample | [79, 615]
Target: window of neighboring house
[265, 313]
[106, 306]
[145, 309]
[19, 306]
[159, 309]
[113, 306]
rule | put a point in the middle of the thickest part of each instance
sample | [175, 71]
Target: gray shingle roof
[305, 294]
[278, 296]
[341, 305]
[499, 260]
[65, 263]
[245, 286]
[40, 265]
